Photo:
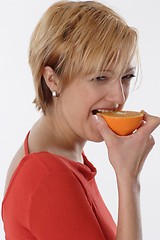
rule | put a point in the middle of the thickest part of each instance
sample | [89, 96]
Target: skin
[72, 115]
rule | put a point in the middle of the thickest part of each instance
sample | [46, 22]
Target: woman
[83, 56]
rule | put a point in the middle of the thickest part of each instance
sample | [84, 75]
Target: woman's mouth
[95, 111]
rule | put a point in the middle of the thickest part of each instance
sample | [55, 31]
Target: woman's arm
[129, 216]
[127, 155]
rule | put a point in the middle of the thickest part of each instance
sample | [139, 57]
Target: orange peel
[123, 122]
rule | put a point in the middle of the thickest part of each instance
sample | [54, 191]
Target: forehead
[113, 71]
[120, 65]
[124, 63]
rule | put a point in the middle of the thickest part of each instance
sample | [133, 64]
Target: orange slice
[123, 122]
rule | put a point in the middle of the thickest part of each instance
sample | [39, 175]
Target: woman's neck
[55, 137]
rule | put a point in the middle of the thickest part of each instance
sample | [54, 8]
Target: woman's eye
[128, 77]
[100, 78]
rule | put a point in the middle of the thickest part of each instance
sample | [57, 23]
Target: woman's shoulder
[14, 165]
[45, 162]
[29, 170]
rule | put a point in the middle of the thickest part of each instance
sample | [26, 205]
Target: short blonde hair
[78, 38]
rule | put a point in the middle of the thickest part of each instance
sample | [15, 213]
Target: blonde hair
[78, 38]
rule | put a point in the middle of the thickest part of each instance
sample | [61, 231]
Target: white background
[17, 113]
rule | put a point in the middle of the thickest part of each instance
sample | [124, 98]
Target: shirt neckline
[86, 168]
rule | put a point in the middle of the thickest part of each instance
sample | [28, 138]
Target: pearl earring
[55, 94]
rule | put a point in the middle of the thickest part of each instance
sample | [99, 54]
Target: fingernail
[95, 117]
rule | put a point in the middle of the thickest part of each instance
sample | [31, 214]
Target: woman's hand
[128, 153]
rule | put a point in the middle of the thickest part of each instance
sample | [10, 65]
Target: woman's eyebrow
[131, 69]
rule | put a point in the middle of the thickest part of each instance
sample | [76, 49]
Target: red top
[53, 198]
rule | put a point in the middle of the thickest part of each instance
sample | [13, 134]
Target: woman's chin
[96, 138]
[98, 141]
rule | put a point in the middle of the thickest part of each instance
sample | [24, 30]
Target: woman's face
[82, 96]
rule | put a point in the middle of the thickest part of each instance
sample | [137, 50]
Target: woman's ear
[50, 78]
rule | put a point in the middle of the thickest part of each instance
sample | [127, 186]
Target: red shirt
[53, 198]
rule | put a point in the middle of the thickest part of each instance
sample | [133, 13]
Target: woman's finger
[104, 129]
[149, 145]
[151, 123]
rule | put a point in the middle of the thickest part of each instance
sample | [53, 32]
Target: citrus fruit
[123, 122]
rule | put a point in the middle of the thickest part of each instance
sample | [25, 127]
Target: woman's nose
[116, 93]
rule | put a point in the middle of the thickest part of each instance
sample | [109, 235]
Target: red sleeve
[60, 210]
